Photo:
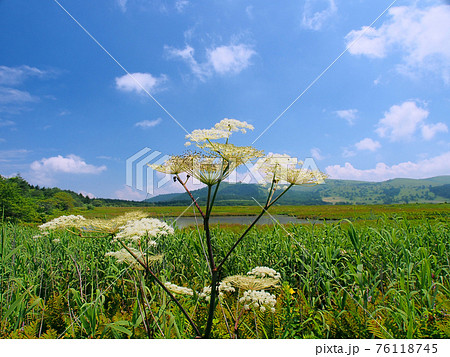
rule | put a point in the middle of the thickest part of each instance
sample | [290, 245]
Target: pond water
[182, 222]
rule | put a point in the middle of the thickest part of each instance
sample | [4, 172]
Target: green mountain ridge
[399, 190]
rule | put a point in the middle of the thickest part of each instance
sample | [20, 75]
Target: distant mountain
[435, 189]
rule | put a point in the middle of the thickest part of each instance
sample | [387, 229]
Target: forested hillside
[20, 201]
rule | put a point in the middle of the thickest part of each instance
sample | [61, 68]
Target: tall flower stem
[263, 210]
[190, 195]
[160, 283]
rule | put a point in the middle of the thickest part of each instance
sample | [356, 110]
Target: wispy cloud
[4, 123]
[12, 76]
[122, 4]
[422, 36]
[148, 123]
[231, 59]
[180, 5]
[348, 114]
[317, 12]
[15, 96]
[316, 154]
[13, 155]
[435, 166]
[140, 82]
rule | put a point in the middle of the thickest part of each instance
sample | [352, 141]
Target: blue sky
[70, 116]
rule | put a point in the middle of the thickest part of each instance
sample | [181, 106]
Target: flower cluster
[231, 153]
[283, 168]
[224, 288]
[233, 125]
[251, 282]
[123, 256]
[144, 227]
[63, 222]
[176, 164]
[258, 300]
[221, 130]
[178, 289]
[262, 272]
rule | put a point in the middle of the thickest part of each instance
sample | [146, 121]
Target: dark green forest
[22, 202]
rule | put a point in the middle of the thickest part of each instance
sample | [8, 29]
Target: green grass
[352, 212]
[385, 277]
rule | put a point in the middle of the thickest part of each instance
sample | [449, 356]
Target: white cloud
[368, 144]
[348, 153]
[13, 155]
[436, 166]
[230, 59]
[249, 12]
[42, 171]
[87, 194]
[401, 121]
[180, 5]
[348, 114]
[12, 95]
[127, 193]
[148, 123]
[222, 60]
[187, 54]
[122, 5]
[6, 123]
[139, 82]
[317, 12]
[315, 153]
[12, 76]
[429, 131]
[421, 35]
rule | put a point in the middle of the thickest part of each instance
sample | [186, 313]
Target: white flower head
[233, 125]
[144, 227]
[258, 299]
[63, 222]
[263, 272]
[178, 289]
[221, 130]
[124, 256]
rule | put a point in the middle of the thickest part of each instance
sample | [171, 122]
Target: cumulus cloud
[43, 171]
[230, 59]
[148, 123]
[401, 121]
[87, 194]
[368, 144]
[435, 166]
[429, 131]
[140, 82]
[222, 60]
[317, 12]
[348, 114]
[421, 35]
[127, 193]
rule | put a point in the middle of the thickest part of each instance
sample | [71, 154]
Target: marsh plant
[213, 161]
